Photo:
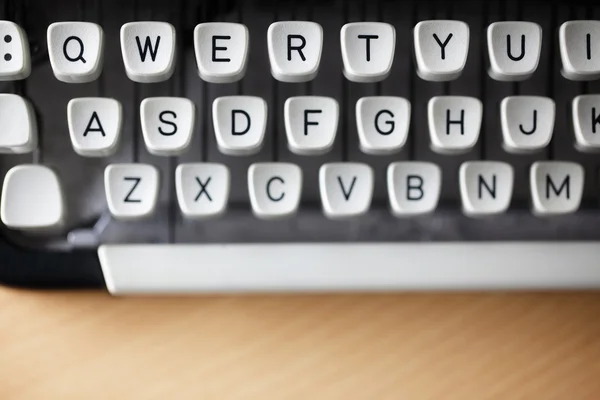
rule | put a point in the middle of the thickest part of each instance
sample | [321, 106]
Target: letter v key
[346, 189]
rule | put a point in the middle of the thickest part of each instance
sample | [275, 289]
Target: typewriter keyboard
[252, 121]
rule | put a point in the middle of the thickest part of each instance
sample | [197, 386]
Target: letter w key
[148, 50]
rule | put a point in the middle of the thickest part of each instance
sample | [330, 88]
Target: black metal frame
[37, 269]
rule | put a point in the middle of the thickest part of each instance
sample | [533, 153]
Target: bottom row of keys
[32, 196]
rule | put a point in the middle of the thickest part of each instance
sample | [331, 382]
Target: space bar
[224, 268]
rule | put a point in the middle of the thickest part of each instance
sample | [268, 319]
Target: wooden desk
[493, 346]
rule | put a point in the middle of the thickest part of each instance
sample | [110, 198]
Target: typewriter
[298, 146]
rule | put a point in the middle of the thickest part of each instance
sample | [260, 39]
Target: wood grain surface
[87, 345]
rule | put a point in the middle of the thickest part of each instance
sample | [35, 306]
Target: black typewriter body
[63, 260]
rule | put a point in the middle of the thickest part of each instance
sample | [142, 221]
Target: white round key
[148, 50]
[295, 50]
[556, 187]
[311, 124]
[527, 123]
[76, 51]
[239, 123]
[15, 61]
[17, 124]
[32, 199]
[202, 189]
[413, 187]
[167, 124]
[454, 123]
[441, 49]
[514, 49]
[578, 42]
[586, 122]
[94, 125]
[382, 123]
[346, 189]
[275, 189]
[131, 190]
[367, 50]
[486, 187]
[221, 50]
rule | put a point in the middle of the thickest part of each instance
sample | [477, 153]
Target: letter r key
[295, 50]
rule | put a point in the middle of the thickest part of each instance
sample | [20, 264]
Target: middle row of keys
[311, 124]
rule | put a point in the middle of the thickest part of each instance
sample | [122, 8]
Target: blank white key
[346, 189]
[367, 50]
[167, 124]
[221, 51]
[527, 123]
[310, 124]
[239, 123]
[514, 49]
[295, 50]
[454, 123]
[486, 187]
[31, 198]
[76, 51]
[18, 127]
[586, 122]
[15, 61]
[382, 123]
[202, 189]
[274, 189]
[556, 187]
[413, 187]
[441, 49]
[579, 49]
[131, 190]
[94, 125]
[148, 50]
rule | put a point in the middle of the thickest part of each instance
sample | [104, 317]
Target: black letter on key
[509, 52]
[368, 39]
[298, 48]
[390, 123]
[307, 122]
[482, 183]
[161, 117]
[588, 40]
[79, 56]
[215, 48]
[280, 180]
[344, 192]
[460, 121]
[147, 47]
[595, 119]
[203, 190]
[137, 181]
[442, 45]
[410, 187]
[563, 185]
[523, 131]
[98, 128]
[244, 131]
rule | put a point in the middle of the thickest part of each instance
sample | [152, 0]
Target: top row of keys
[441, 50]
